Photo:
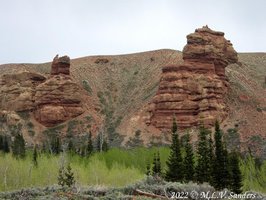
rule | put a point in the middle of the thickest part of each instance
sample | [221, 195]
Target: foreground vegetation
[114, 168]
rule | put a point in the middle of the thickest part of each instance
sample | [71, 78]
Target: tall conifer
[188, 160]
[203, 162]
[236, 176]
[18, 146]
[89, 145]
[219, 168]
[174, 164]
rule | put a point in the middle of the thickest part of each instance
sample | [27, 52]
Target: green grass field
[115, 168]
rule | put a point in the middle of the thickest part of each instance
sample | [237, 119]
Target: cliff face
[194, 91]
[52, 100]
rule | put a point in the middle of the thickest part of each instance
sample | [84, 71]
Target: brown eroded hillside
[125, 84]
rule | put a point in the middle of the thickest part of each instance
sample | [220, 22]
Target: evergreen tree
[1, 143]
[158, 162]
[219, 167]
[34, 157]
[105, 146]
[69, 176]
[66, 176]
[4, 144]
[203, 162]
[188, 160]
[55, 145]
[61, 176]
[89, 145]
[226, 166]
[100, 140]
[18, 146]
[156, 169]
[236, 176]
[6, 148]
[174, 164]
[82, 151]
[148, 169]
[70, 146]
[211, 159]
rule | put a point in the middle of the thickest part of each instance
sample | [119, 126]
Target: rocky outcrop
[60, 65]
[57, 100]
[53, 100]
[17, 90]
[194, 91]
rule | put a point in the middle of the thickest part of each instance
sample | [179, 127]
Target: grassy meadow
[114, 168]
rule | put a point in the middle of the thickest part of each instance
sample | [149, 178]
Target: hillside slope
[124, 84]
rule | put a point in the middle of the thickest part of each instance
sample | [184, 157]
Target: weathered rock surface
[60, 65]
[17, 90]
[194, 91]
[57, 100]
[53, 100]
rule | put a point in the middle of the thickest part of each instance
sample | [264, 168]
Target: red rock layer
[60, 65]
[57, 100]
[194, 91]
[53, 100]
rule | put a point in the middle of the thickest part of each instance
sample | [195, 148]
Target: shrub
[87, 87]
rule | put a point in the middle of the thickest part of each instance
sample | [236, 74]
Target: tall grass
[18, 173]
[254, 177]
[137, 158]
[115, 168]
[21, 173]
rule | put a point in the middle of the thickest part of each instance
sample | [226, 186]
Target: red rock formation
[53, 100]
[17, 90]
[57, 100]
[60, 65]
[194, 91]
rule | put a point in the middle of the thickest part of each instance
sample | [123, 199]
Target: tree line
[209, 161]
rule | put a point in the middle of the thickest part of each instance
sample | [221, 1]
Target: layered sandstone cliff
[194, 91]
[52, 100]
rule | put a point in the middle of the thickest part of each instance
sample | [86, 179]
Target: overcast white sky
[37, 30]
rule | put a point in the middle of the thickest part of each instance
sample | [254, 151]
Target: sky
[34, 31]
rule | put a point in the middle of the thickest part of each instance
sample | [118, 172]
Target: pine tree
[65, 176]
[56, 145]
[156, 168]
[18, 147]
[70, 146]
[203, 162]
[61, 176]
[188, 160]
[6, 148]
[219, 167]
[105, 146]
[236, 176]
[4, 144]
[34, 157]
[100, 140]
[211, 158]
[89, 145]
[1, 143]
[69, 176]
[174, 164]
[158, 162]
[226, 166]
[148, 169]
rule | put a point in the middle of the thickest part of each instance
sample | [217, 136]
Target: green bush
[87, 87]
